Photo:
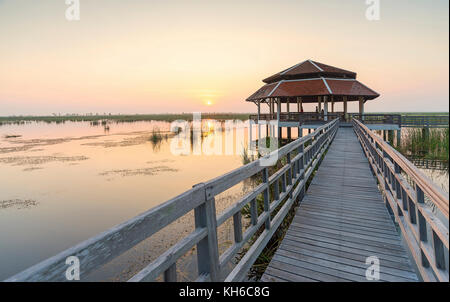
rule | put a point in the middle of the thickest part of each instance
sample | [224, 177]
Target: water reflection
[79, 179]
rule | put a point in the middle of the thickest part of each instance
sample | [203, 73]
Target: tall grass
[426, 143]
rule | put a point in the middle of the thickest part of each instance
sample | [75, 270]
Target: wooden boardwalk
[341, 221]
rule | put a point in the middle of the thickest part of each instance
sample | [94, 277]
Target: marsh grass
[426, 143]
[12, 136]
[105, 118]
[156, 136]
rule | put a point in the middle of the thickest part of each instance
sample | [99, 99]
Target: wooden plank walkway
[341, 221]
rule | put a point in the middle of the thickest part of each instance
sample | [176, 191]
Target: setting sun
[209, 102]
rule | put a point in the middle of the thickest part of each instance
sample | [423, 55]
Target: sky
[161, 56]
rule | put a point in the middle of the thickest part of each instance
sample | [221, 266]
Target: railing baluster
[237, 224]
[301, 168]
[207, 248]
[265, 179]
[439, 252]
[276, 189]
[420, 219]
[289, 172]
[254, 212]
[170, 275]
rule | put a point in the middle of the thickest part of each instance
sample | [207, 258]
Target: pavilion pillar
[332, 104]
[288, 111]
[325, 110]
[361, 108]
[259, 109]
[259, 117]
[278, 109]
[270, 117]
[270, 110]
[399, 137]
[320, 104]
[278, 118]
[345, 108]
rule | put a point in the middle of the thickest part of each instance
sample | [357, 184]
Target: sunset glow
[178, 56]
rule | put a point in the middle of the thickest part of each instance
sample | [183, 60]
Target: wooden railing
[313, 117]
[378, 119]
[288, 185]
[302, 117]
[427, 121]
[425, 233]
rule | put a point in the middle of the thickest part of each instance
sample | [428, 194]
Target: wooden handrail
[436, 194]
[425, 233]
[100, 249]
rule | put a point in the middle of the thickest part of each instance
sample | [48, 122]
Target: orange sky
[175, 56]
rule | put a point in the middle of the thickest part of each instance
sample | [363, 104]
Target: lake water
[63, 183]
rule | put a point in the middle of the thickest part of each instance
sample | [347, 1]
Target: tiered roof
[310, 79]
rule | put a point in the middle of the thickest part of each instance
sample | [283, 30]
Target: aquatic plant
[156, 136]
[13, 136]
[119, 118]
[245, 157]
[426, 143]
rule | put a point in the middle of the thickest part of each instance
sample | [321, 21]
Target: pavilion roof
[309, 69]
[311, 79]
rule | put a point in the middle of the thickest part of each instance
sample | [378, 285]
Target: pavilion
[310, 82]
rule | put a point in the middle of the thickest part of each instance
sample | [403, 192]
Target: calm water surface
[61, 184]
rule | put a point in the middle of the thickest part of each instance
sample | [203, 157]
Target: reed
[156, 136]
[426, 143]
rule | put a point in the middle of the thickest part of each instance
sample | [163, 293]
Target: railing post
[276, 189]
[289, 171]
[301, 168]
[421, 220]
[237, 224]
[439, 251]
[398, 188]
[207, 248]
[254, 212]
[265, 178]
[170, 275]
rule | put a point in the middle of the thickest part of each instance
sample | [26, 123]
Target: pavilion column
[345, 108]
[287, 106]
[320, 104]
[361, 108]
[278, 118]
[332, 104]
[259, 117]
[325, 110]
[345, 105]
[270, 110]
[259, 109]
[273, 109]
[268, 102]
